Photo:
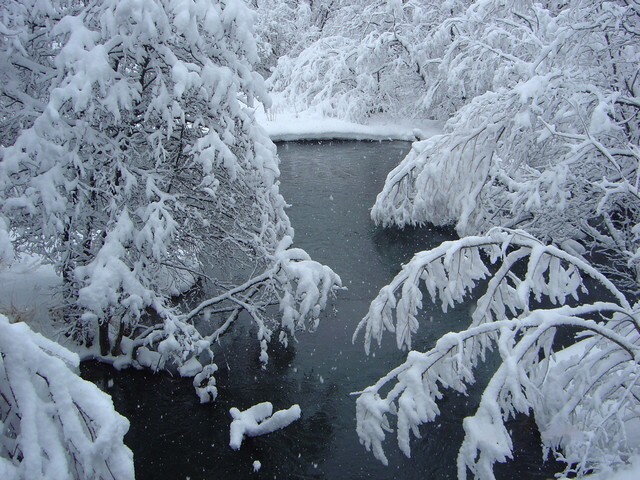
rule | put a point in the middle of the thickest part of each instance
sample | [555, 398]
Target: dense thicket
[131, 162]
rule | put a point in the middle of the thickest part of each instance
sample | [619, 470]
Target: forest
[134, 168]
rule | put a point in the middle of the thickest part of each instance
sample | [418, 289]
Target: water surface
[331, 187]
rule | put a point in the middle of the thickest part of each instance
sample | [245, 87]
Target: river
[331, 186]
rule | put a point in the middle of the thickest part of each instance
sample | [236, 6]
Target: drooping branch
[509, 316]
[55, 424]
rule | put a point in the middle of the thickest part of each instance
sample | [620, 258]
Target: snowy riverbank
[313, 125]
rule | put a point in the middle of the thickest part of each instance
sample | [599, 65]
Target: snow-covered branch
[259, 420]
[54, 424]
[536, 375]
[541, 140]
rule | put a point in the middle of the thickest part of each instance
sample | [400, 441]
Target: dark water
[331, 187]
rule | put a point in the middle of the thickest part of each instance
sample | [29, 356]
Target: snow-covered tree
[370, 57]
[131, 161]
[585, 397]
[285, 27]
[544, 134]
[53, 424]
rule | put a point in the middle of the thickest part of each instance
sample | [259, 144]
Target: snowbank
[28, 293]
[631, 472]
[313, 125]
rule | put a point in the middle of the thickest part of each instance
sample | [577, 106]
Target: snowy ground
[282, 125]
[632, 472]
[27, 293]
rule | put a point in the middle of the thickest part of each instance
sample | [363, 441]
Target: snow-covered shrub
[53, 424]
[284, 27]
[131, 160]
[584, 398]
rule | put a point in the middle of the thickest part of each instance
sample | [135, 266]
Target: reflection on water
[331, 187]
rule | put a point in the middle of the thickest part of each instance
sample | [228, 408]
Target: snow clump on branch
[259, 420]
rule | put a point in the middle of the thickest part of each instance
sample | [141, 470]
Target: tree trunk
[115, 349]
[103, 337]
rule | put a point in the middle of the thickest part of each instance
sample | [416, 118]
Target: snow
[257, 465]
[190, 368]
[149, 358]
[27, 293]
[56, 424]
[80, 81]
[582, 399]
[6, 249]
[630, 472]
[313, 125]
[258, 420]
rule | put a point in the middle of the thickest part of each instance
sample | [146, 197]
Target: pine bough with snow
[130, 160]
[585, 398]
[53, 424]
